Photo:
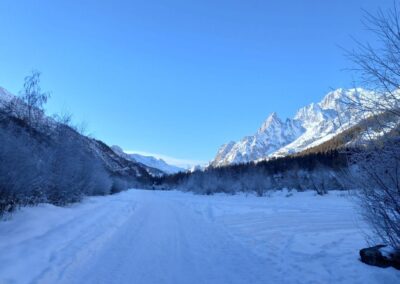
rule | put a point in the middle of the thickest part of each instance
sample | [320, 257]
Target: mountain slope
[311, 126]
[116, 165]
[376, 129]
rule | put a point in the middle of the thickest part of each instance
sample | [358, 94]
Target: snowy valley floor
[173, 237]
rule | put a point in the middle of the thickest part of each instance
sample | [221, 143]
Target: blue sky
[179, 78]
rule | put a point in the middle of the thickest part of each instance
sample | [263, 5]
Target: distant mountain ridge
[149, 161]
[311, 126]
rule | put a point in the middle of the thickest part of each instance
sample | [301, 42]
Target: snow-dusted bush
[21, 171]
[118, 185]
[75, 171]
[377, 173]
[39, 168]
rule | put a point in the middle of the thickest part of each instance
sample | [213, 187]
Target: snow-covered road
[172, 237]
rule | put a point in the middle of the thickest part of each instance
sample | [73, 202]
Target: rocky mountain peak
[311, 125]
[272, 121]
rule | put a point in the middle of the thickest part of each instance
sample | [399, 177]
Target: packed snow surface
[173, 237]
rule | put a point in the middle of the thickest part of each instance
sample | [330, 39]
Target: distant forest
[320, 171]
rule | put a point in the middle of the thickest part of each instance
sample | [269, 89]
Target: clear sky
[179, 78]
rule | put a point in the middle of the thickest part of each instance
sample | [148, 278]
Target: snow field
[173, 237]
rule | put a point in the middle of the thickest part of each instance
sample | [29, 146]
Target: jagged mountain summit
[311, 126]
[270, 137]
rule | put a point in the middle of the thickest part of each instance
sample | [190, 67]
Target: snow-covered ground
[173, 237]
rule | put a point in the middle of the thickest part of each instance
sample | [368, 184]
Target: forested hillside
[46, 159]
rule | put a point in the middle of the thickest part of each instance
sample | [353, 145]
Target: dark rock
[395, 259]
[373, 256]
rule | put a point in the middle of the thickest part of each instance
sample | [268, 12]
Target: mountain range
[312, 125]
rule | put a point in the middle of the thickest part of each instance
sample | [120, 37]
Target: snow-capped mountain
[311, 126]
[272, 135]
[149, 161]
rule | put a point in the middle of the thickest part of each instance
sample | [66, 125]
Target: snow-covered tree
[33, 99]
[376, 162]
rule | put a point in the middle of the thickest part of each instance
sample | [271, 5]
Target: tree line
[320, 171]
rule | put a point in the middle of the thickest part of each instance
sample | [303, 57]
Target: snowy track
[172, 237]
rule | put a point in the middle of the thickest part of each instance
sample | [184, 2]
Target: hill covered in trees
[46, 159]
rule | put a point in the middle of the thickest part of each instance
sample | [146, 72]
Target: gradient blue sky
[179, 78]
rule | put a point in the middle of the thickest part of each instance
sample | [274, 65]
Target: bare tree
[378, 65]
[376, 162]
[33, 98]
